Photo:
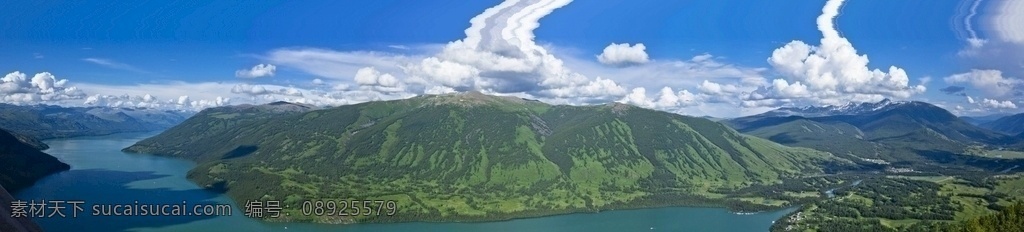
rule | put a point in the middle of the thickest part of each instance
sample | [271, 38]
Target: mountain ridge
[484, 152]
[23, 164]
[908, 134]
[1010, 124]
[851, 108]
[42, 122]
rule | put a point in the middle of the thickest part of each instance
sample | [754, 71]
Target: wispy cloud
[113, 64]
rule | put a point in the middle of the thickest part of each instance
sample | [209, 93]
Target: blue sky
[713, 55]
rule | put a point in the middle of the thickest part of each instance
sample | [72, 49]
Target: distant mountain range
[23, 127]
[45, 121]
[1011, 124]
[978, 120]
[907, 133]
[471, 156]
[23, 163]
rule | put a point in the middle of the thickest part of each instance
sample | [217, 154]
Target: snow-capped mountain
[831, 110]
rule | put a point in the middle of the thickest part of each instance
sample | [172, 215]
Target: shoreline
[411, 221]
[636, 205]
[371, 222]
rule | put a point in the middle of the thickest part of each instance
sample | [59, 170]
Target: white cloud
[256, 90]
[435, 90]
[599, 90]
[1006, 21]
[666, 99]
[833, 72]
[1003, 49]
[196, 96]
[991, 83]
[260, 70]
[43, 87]
[990, 103]
[717, 89]
[623, 54]
[443, 72]
[149, 101]
[499, 56]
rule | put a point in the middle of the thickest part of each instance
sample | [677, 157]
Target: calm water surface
[102, 174]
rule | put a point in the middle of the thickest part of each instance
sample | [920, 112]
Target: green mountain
[1013, 124]
[903, 133]
[1009, 219]
[46, 122]
[23, 163]
[476, 157]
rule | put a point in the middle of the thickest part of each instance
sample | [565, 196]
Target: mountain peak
[850, 108]
[472, 98]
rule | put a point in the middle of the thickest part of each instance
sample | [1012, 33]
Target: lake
[102, 174]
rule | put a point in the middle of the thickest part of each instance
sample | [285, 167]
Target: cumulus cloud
[990, 103]
[149, 101]
[831, 73]
[256, 90]
[665, 99]
[623, 54]
[260, 70]
[498, 55]
[991, 83]
[43, 87]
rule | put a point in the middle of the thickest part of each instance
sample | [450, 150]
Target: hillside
[46, 122]
[23, 164]
[476, 157]
[905, 133]
[1009, 219]
[1011, 125]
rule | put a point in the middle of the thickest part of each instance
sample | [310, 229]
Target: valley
[923, 168]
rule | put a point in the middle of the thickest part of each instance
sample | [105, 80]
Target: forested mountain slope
[477, 157]
[22, 164]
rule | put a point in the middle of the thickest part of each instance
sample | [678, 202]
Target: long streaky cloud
[113, 64]
[510, 25]
[968, 21]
